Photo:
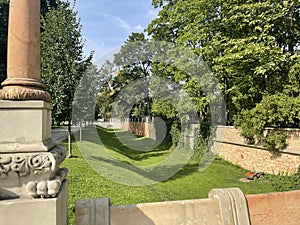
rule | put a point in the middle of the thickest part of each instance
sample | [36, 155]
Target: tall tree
[62, 59]
[246, 44]
[4, 5]
[86, 95]
[251, 46]
[105, 98]
[46, 5]
[135, 61]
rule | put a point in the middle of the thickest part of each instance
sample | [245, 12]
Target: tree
[62, 60]
[3, 38]
[239, 41]
[46, 5]
[251, 47]
[105, 97]
[84, 102]
[135, 61]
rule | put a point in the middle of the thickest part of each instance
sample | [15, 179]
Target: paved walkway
[60, 134]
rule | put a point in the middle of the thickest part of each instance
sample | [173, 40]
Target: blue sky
[107, 23]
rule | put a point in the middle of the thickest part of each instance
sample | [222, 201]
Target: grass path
[187, 183]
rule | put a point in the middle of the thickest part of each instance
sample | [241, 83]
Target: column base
[52, 211]
[23, 89]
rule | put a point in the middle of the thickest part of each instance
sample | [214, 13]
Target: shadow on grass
[125, 167]
[111, 141]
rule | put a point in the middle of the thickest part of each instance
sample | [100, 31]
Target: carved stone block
[50, 211]
[31, 174]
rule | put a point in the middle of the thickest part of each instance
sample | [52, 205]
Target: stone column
[23, 65]
[33, 189]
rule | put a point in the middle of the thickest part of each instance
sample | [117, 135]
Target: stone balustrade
[223, 207]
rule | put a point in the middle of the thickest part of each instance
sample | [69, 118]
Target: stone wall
[229, 145]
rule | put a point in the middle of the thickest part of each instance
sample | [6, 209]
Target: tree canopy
[250, 46]
[3, 38]
[62, 58]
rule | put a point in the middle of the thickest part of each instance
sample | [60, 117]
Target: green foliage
[285, 182]
[275, 140]
[275, 111]
[62, 60]
[105, 98]
[251, 49]
[46, 5]
[251, 46]
[83, 105]
[175, 133]
[134, 61]
[4, 10]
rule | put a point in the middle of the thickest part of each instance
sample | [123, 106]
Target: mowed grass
[187, 183]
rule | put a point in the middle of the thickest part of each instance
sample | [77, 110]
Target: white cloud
[123, 23]
[139, 28]
[117, 20]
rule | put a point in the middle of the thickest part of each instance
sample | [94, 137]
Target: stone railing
[224, 206]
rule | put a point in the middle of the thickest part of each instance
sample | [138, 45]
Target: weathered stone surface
[27, 126]
[31, 174]
[23, 65]
[232, 205]
[274, 208]
[33, 189]
[192, 212]
[92, 212]
[23, 93]
[229, 145]
[51, 211]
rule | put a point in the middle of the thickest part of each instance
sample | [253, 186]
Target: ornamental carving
[49, 188]
[32, 163]
[23, 93]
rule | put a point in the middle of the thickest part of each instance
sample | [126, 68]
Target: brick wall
[145, 129]
[229, 145]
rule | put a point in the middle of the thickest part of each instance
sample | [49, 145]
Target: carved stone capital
[32, 174]
[17, 93]
[25, 164]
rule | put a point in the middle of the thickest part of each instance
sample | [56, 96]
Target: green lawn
[187, 183]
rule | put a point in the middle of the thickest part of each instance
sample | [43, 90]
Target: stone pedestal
[29, 158]
[51, 211]
[25, 126]
[33, 189]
